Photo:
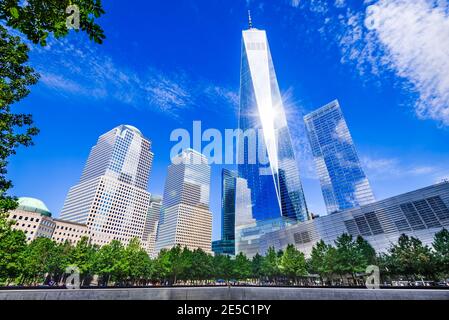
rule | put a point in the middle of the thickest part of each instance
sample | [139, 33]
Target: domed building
[33, 218]
[34, 205]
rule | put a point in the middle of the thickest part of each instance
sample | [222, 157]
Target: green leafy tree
[148, 268]
[256, 266]
[323, 260]
[39, 259]
[201, 265]
[178, 263]
[134, 261]
[242, 267]
[410, 258]
[270, 268]
[441, 247]
[187, 261]
[223, 267]
[59, 260]
[386, 266]
[83, 257]
[162, 267]
[293, 263]
[367, 251]
[109, 263]
[12, 245]
[36, 20]
[15, 129]
[349, 259]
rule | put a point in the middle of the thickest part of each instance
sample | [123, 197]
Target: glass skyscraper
[343, 181]
[228, 209]
[235, 210]
[228, 194]
[273, 178]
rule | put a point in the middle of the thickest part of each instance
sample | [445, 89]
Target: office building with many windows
[228, 199]
[35, 220]
[343, 182]
[185, 217]
[71, 232]
[111, 197]
[420, 214]
[151, 224]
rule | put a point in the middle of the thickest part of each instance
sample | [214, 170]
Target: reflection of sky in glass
[275, 186]
[343, 181]
[188, 180]
[122, 153]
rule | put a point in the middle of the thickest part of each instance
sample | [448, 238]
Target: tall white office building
[151, 224]
[185, 217]
[111, 197]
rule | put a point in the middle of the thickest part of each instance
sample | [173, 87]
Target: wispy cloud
[71, 67]
[392, 168]
[380, 38]
[57, 82]
[411, 39]
[294, 112]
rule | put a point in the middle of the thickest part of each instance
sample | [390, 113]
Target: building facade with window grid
[111, 197]
[35, 220]
[420, 214]
[273, 174]
[185, 216]
[343, 182]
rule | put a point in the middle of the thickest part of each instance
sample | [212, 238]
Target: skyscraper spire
[274, 181]
[250, 20]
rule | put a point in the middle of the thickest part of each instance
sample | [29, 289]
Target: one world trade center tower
[274, 181]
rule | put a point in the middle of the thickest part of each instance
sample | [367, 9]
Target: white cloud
[409, 38]
[295, 3]
[74, 67]
[340, 3]
[294, 113]
[57, 82]
[391, 168]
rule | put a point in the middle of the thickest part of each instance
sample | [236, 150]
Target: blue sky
[164, 65]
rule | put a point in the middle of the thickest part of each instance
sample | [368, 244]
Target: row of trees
[43, 261]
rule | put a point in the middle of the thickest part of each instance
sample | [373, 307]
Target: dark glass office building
[228, 201]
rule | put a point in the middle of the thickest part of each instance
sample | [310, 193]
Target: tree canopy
[43, 261]
[34, 20]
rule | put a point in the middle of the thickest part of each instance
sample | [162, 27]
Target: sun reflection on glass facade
[275, 185]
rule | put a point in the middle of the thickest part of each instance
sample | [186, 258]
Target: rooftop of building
[322, 110]
[70, 222]
[33, 205]
[132, 128]
[155, 198]
[186, 153]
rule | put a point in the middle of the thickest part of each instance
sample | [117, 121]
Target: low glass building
[224, 247]
[420, 214]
